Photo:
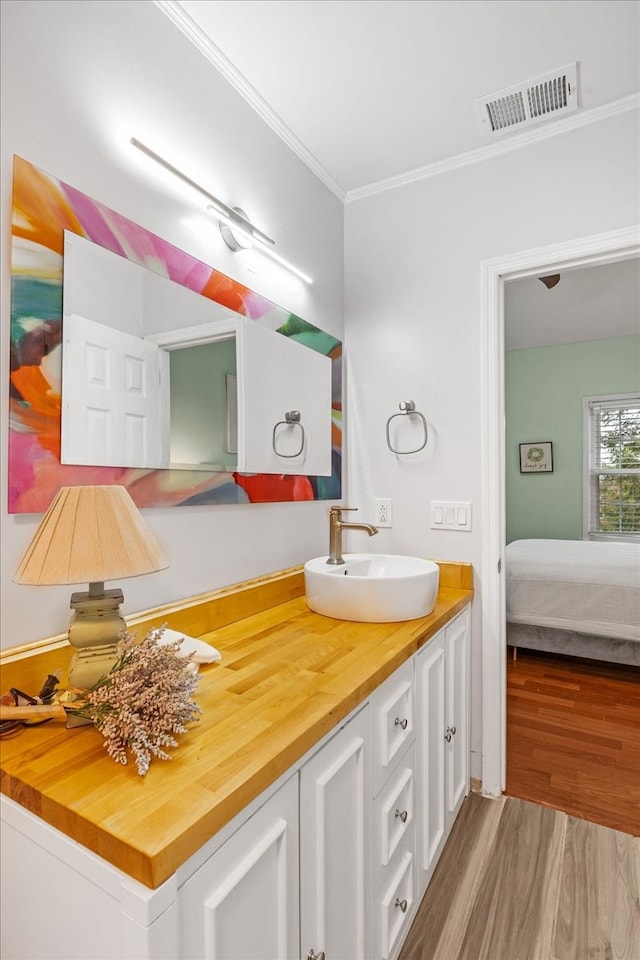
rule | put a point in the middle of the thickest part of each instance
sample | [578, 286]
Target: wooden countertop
[286, 678]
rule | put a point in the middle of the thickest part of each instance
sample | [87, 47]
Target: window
[612, 467]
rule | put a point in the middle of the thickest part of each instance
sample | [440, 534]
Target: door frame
[597, 249]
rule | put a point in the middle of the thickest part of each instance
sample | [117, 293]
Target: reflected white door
[115, 394]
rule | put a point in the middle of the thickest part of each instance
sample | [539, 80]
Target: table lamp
[91, 534]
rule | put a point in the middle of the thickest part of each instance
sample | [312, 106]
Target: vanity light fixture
[234, 237]
[238, 238]
[91, 534]
[237, 230]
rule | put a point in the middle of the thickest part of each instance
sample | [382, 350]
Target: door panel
[111, 398]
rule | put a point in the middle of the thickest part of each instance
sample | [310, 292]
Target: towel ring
[292, 418]
[408, 408]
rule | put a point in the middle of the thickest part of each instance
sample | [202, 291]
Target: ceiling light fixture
[240, 232]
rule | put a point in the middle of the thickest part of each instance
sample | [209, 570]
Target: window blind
[613, 466]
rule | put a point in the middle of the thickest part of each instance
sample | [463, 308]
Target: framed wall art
[536, 457]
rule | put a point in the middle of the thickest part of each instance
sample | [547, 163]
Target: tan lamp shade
[90, 534]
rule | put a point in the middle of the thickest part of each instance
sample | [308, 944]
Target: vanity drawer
[394, 813]
[394, 906]
[393, 721]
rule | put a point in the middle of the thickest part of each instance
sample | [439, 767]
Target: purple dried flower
[143, 700]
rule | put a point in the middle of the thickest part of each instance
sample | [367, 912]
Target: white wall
[413, 319]
[78, 80]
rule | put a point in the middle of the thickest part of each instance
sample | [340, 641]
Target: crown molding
[173, 10]
[517, 142]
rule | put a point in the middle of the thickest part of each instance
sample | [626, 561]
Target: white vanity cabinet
[442, 691]
[330, 862]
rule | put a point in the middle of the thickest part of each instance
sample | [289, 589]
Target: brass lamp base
[94, 632]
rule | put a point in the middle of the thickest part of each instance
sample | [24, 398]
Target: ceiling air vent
[546, 97]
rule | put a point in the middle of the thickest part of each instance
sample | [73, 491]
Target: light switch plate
[451, 515]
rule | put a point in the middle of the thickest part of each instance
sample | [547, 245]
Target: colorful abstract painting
[43, 208]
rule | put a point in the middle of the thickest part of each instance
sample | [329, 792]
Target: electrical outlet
[383, 513]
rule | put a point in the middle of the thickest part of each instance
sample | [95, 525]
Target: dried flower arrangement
[143, 701]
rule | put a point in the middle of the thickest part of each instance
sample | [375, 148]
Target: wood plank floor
[520, 881]
[573, 737]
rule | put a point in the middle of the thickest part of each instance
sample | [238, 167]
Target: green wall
[199, 403]
[544, 388]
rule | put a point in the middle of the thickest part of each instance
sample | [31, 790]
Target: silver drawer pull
[402, 904]
[400, 723]
[402, 814]
[451, 732]
[315, 956]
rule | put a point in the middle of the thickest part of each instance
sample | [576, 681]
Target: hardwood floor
[520, 881]
[573, 737]
[551, 871]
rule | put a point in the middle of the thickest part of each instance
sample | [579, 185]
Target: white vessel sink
[372, 588]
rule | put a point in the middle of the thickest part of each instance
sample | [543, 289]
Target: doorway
[598, 249]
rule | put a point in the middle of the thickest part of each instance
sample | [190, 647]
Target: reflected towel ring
[292, 418]
[408, 408]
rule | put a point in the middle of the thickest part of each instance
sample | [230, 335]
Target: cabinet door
[430, 747]
[335, 859]
[457, 719]
[242, 904]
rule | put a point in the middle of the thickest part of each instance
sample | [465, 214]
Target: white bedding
[587, 586]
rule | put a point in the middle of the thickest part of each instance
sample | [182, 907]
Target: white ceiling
[371, 92]
[587, 304]
[367, 90]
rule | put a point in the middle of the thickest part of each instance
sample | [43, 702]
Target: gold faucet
[337, 525]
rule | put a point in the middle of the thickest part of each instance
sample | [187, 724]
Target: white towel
[203, 652]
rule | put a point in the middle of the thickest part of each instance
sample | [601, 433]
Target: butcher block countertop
[286, 678]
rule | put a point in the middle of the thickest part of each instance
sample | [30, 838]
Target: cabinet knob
[451, 732]
[315, 956]
[402, 814]
[402, 904]
[400, 723]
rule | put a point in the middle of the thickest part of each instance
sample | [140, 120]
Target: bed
[576, 597]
